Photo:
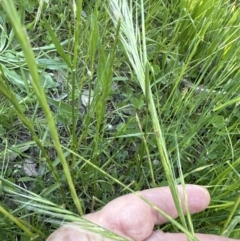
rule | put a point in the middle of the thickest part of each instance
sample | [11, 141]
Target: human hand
[131, 217]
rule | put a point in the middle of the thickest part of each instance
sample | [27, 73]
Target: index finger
[198, 199]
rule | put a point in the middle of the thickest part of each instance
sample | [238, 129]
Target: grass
[164, 109]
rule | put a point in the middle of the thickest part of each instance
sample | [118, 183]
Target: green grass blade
[57, 44]
[36, 84]
[228, 225]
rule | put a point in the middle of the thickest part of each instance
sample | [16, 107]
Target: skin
[131, 217]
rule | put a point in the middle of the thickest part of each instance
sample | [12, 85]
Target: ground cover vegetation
[103, 98]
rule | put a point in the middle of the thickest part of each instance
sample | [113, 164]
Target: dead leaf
[29, 168]
[86, 98]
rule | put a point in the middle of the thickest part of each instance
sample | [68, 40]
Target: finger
[160, 236]
[132, 217]
[198, 199]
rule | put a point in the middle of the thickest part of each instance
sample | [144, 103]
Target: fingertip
[198, 198]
